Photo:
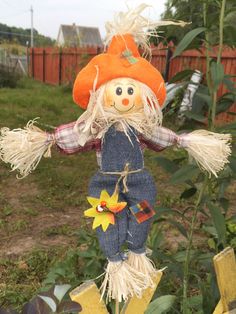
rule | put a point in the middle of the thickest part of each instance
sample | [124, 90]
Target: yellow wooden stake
[89, 297]
[225, 268]
[219, 308]
[138, 305]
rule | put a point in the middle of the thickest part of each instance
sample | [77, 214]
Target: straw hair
[24, 148]
[210, 150]
[133, 23]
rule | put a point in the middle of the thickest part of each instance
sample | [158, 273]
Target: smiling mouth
[114, 105]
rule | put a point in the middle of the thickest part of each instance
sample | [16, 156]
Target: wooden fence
[60, 66]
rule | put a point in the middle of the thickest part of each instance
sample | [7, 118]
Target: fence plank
[61, 68]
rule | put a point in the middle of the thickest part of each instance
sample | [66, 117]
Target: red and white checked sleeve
[67, 140]
[162, 138]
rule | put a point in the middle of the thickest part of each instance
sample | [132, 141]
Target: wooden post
[225, 267]
[138, 305]
[88, 296]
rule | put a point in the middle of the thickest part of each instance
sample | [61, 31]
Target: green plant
[8, 77]
[84, 262]
[208, 213]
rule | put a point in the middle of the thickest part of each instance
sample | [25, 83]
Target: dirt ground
[24, 229]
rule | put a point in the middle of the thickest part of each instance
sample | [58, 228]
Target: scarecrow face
[123, 95]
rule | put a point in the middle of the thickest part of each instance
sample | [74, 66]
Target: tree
[21, 36]
[192, 11]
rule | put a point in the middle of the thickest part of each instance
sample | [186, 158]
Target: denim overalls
[117, 150]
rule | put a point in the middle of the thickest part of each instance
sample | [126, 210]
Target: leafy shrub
[84, 262]
[191, 276]
[8, 78]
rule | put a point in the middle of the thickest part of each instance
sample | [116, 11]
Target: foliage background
[20, 36]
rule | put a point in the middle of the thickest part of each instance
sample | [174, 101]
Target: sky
[50, 14]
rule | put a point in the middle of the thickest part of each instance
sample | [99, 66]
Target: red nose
[125, 101]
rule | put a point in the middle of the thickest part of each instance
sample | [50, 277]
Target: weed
[23, 276]
[31, 212]
[19, 225]
[59, 230]
[7, 211]
[8, 78]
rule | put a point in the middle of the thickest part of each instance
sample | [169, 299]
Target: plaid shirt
[66, 139]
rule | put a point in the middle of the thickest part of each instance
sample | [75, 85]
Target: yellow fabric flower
[103, 209]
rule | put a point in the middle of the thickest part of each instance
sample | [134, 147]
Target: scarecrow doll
[122, 94]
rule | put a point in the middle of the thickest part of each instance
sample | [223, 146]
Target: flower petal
[112, 219]
[96, 223]
[104, 196]
[117, 207]
[91, 212]
[93, 201]
[109, 220]
[114, 198]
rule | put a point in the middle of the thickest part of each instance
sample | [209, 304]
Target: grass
[21, 277]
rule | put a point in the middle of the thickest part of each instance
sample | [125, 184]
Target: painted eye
[130, 90]
[118, 91]
[99, 208]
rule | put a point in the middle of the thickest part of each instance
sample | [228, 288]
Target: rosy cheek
[138, 101]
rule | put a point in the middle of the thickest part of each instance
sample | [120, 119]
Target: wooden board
[219, 308]
[89, 297]
[225, 268]
[138, 305]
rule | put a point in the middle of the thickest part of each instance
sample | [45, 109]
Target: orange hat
[122, 59]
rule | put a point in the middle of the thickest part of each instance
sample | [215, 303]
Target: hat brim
[113, 66]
